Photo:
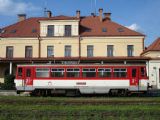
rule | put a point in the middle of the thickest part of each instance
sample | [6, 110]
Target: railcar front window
[120, 72]
[143, 72]
[42, 72]
[57, 72]
[89, 72]
[73, 72]
[104, 72]
[19, 72]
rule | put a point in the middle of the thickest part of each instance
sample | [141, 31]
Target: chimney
[107, 16]
[92, 14]
[49, 14]
[100, 14]
[78, 13]
[21, 17]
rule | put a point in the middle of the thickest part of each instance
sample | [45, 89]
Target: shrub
[8, 83]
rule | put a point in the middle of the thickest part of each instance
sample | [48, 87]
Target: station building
[153, 51]
[94, 39]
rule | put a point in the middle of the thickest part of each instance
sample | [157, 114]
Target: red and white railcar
[87, 79]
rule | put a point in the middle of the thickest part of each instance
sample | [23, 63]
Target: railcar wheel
[72, 93]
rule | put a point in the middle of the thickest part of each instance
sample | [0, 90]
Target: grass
[82, 108]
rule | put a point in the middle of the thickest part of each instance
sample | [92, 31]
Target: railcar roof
[54, 65]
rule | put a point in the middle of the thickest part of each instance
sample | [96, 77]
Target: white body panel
[76, 83]
[85, 86]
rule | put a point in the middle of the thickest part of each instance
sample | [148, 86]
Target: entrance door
[134, 77]
[28, 77]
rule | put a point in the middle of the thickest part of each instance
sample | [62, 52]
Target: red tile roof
[155, 46]
[92, 26]
[89, 26]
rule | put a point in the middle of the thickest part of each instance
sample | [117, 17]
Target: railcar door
[28, 77]
[134, 77]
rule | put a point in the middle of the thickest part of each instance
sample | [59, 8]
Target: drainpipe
[39, 46]
[10, 68]
[79, 47]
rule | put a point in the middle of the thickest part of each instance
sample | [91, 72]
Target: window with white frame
[42, 72]
[50, 30]
[120, 72]
[89, 50]
[73, 72]
[67, 51]
[9, 52]
[104, 72]
[57, 72]
[50, 51]
[130, 49]
[89, 72]
[110, 50]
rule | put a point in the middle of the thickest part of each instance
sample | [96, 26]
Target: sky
[140, 15]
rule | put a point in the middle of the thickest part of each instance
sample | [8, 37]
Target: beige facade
[59, 43]
[119, 43]
[59, 27]
[18, 46]
[152, 54]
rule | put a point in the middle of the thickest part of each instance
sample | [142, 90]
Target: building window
[28, 51]
[130, 50]
[67, 30]
[50, 51]
[50, 30]
[9, 52]
[90, 51]
[67, 51]
[110, 50]
[104, 29]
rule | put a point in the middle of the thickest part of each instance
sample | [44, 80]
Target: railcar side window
[73, 72]
[143, 74]
[120, 72]
[89, 72]
[57, 72]
[19, 72]
[28, 73]
[42, 72]
[104, 72]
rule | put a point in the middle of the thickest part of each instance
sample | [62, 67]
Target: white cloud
[134, 27]
[10, 7]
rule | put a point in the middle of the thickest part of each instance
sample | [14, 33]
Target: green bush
[8, 83]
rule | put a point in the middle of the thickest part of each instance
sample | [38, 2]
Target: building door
[28, 77]
[134, 77]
